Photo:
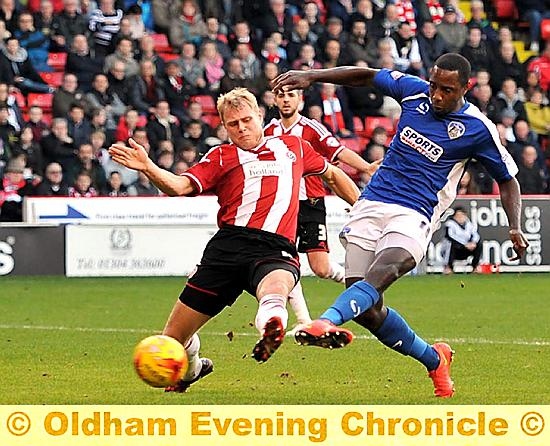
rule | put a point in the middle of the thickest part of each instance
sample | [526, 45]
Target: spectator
[195, 112]
[66, 95]
[120, 84]
[86, 161]
[391, 21]
[242, 34]
[9, 12]
[101, 96]
[15, 114]
[163, 12]
[451, 30]
[380, 138]
[34, 41]
[188, 154]
[461, 240]
[147, 52]
[180, 167]
[163, 126]
[191, 70]
[177, 90]
[405, 51]
[234, 76]
[307, 56]
[270, 53]
[541, 66]
[341, 9]
[333, 30]
[30, 149]
[165, 160]
[268, 107]
[58, 145]
[142, 187]
[79, 127]
[364, 101]
[478, 52]
[538, 115]
[212, 63]
[524, 136]
[269, 72]
[68, 24]
[98, 123]
[430, 11]
[479, 20]
[194, 136]
[250, 64]
[530, 176]
[115, 187]
[13, 187]
[187, 25]
[482, 97]
[277, 20]
[360, 46]
[124, 53]
[36, 122]
[146, 89]
[431, 44]
[134, 16]
[16, 69]
[104, 23]
[82, 186]
[533, 11]
[467, 185]
[331, 54]
[311, 13]
[508, 99]
[406, 14]
[7, 134]
[337, 116]
[506, 65]
[301, 35]
[53, 184]
[531, 84]
[219, 39]
[82, 64]
[43, 21]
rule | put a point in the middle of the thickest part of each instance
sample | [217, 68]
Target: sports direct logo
[421, 144]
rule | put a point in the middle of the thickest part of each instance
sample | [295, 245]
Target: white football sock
[298, 304]
[271, 305]
[195, 364]
[337, 272]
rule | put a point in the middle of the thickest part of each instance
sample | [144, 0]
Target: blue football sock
[351, 303]
[397, 335]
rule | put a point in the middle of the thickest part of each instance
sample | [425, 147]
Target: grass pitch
[70, 341]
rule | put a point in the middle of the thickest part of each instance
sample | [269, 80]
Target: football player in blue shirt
[390, 226]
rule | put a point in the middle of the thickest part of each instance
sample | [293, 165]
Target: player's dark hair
[455, 62]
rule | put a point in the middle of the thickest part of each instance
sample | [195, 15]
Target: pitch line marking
[528, 342]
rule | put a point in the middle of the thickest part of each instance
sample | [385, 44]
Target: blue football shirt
[429, 153]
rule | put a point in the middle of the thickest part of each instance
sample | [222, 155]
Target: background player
[256, 180]
[391, 225]
[312, 228]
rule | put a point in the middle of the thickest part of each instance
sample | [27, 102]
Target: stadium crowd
[76, 76]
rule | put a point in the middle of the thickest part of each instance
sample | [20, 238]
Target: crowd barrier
[162, 236]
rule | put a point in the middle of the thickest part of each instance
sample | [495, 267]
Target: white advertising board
[141, 210]
[99, 251]
[125, 210]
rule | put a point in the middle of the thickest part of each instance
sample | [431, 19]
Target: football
[160, 361]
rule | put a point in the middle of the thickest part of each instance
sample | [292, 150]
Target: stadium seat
[207, 102]
[213, 120]
[371, 122]
[161, 43]
[54, 79]
[20, 99]
[358, 124]
[545, 29]
[353, 144]
[168, 56]
[57, 61]
[505, 10]
[42, 100]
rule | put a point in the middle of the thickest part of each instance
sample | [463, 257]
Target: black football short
[312, 226]
[236, 259]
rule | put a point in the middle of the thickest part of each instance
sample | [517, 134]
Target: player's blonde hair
[236, 98]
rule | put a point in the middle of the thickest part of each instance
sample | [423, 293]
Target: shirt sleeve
[399, 85]
[207, 172]
[314, 164]
[496, 159]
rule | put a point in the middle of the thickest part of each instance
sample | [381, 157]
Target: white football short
[374, 226]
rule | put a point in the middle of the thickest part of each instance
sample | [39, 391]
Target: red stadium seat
[57, 61]
[506, 9]
[42, 100]
[20, 99]
[207, 102]
[353, 144]
[213, 120]
[161, 43]
[371, 122]
[168, 56]
[358, 124]
[55, 79]
[545, 29]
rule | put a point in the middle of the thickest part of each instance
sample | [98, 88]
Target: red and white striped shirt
[322, 141]
[258, 188]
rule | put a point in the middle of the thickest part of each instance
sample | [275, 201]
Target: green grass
[70, 341]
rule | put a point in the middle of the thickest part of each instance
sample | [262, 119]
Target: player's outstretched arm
[352, 76]
[352, 159]
[510, 196]
[136, 157]
[341, 184]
